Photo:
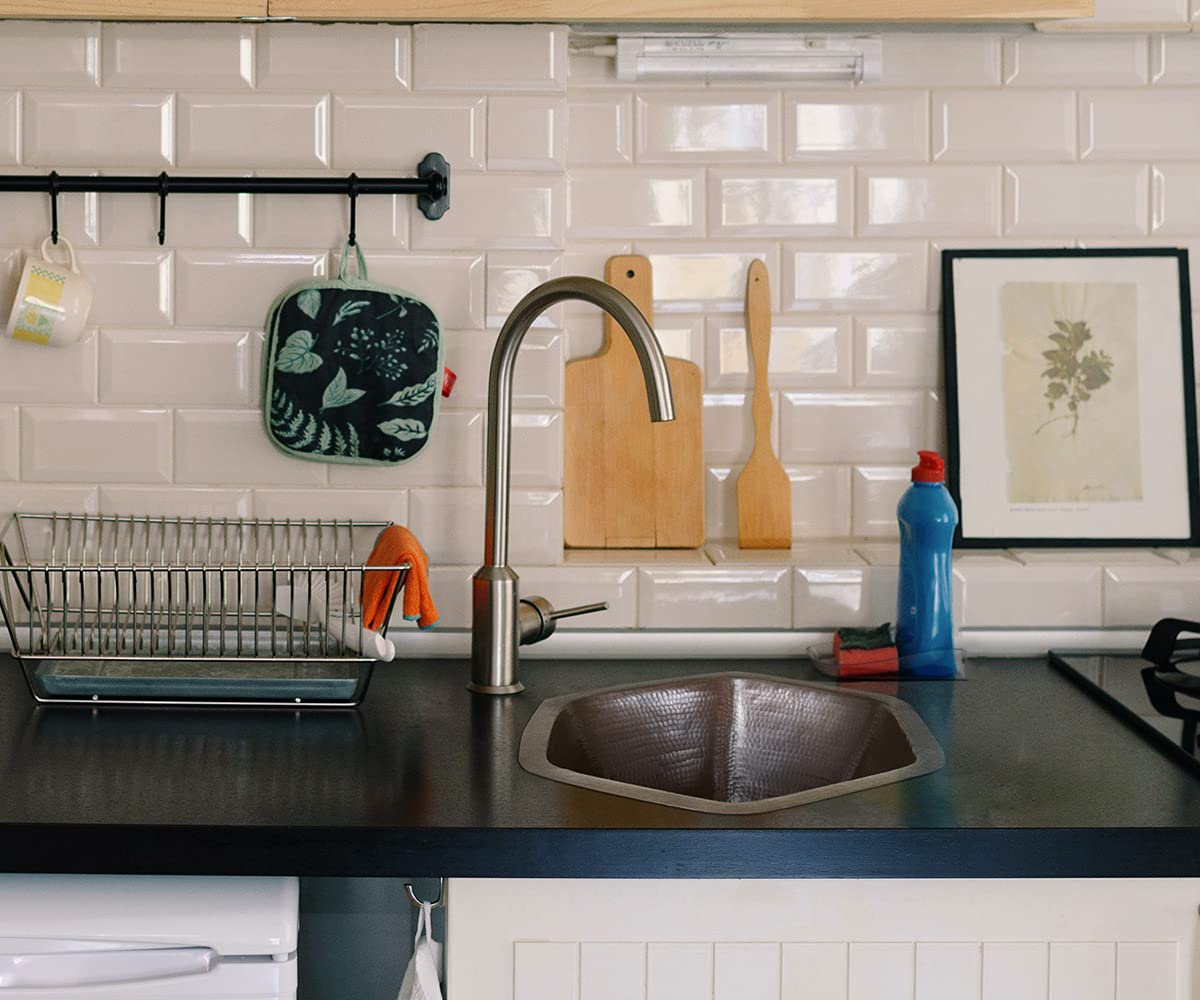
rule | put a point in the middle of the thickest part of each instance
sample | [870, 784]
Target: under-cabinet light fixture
[791, 58]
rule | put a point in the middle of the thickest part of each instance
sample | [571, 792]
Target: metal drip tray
[728, 743]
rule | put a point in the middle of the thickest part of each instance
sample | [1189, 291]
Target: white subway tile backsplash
[91, 128]
[682, 337]
[258, 130]
[503, 57]
[820, 501]
[599, 128]
[928, 201]
[867, 426]
[526, 133]
[498, 212]
[1058, 60]
[10, 442]
[231, 447]
[449, 523]
[452, 285]
[806, 352]
[1137, 596]
[215, 220]
[537, 441]
[708, 125]
[183, 367]
[1036, 597]
[235, 288]
[986, 126]
[361, 505]
[814, 971]
[41, 498]
[727, 596]
[93, 445]
[539, 377]
[1109, 199]
[875, 492]
[33, 373]
[453, 457]
[642, 202]
[174, 56]
[162, 501]
[728, 429]
[52, 53]
[132, 287]
[451, 590]
[1175, 193]
[511, 275]
[344, 57]
[897, 350]
[1175, 59]
[575, 584]
[698, 276]
[1163, 123]
[857, 125]
[289, 221]
[952, 59]
[787, 201]
[392, 134]
[871, 276]
[27, 223]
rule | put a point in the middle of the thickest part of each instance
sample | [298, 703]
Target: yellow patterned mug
[53, 300]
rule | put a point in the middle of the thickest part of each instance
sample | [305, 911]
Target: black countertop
[422, 780]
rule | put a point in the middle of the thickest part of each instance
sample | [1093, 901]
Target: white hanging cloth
[421, 976]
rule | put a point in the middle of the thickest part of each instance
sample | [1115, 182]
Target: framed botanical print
[1070, 397]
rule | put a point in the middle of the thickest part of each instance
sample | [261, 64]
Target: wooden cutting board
[629, 483]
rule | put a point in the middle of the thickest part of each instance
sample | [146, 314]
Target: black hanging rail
[431, 187]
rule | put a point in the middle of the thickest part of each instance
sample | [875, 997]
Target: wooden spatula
[764, 492]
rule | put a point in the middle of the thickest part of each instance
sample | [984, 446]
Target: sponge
[865, 651]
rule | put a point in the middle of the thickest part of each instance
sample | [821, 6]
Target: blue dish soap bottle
[924, 617]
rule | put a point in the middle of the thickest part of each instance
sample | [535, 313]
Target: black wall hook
[54, 206]
[352, 239]
[162, 207]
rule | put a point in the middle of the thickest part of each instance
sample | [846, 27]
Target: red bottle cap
[930, 469]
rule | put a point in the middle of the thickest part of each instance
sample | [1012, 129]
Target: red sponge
[860, 662]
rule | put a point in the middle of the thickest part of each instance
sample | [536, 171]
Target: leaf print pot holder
[351, 371]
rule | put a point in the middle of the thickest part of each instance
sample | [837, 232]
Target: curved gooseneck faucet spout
[496, 627]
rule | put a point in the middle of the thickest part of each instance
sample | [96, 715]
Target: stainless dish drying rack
[107, 609]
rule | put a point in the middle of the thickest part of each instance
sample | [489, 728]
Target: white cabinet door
[946, 939]
[1127, 15]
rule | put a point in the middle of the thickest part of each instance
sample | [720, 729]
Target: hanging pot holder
[351, 371]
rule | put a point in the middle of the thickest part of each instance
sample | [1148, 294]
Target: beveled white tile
[611, 970]
[47, 498]
[505, 57]
[897, 350]
[52, 53]
[235, 288]
[132, 287]
[373, 132]
[1126, 15]
[1005, 594]
[452, 285]
[1110, 199]
[697, 277]
[599, 128]
[231, 447]
[706, 125]
[537, 440]
[449, 523]
[635, 557]
[881, 971]
[453, 457]
[1175, 197]
[636, 202]
[1175, 59]
[820, 501]
[536, 531]
[806, 351]
[814, 971]
[1048, 61]
[927, 201]
[1129, 124]
[194, 221]
[940, 59]
[539, 376]
[876, 490]
[948, 970]
[1081, 970]
[94, 445]
[861, 124]
[1137, 596]
[221, 130]
[10, 442]
[728, 428]
[498, 211]
[290, 221]
[715, 597]
[681, 337]
[11, 262]
[588, 258]
[1093, 557]
[174, 56]
[996, 125]
[884, 276]
[333, 57]
[361, 505]
[568, 586]
[175, 501]
[851, 426]
[802, 553]
[789, 201]
[836, 597]
[526, 133]
[746, 970]
[511, 275]
[1015, 969]
[95, 129]
[450, 587]
[199, 367]
[678, 971]
[34, 373]
[27, 222]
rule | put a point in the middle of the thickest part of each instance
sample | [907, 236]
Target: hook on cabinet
[162, 207]
[353, 183]
[53, 186]
[435, 903]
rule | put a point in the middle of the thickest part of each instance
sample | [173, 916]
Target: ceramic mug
[52, 302]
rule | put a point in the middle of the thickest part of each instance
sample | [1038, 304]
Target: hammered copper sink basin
[729, 743]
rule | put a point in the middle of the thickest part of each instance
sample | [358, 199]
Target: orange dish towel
[396, 545]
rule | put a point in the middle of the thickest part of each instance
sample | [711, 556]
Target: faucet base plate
[496, 688]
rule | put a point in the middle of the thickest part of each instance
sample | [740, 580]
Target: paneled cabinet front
[681, 10]
[134, 10]
[852, 939]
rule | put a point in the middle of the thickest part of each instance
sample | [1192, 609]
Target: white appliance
[147, 937]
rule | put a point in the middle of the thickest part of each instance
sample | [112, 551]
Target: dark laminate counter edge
[650, 853]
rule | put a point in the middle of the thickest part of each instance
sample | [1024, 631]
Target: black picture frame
[1187, 371]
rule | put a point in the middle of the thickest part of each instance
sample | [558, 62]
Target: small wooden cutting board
[764, 492]
[629, 483]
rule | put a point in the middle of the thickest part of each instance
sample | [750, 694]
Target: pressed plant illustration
[1072, 377]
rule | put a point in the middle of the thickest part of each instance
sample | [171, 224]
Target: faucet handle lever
[537, 617]
[582, 609]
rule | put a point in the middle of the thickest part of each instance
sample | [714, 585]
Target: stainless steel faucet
[502, 620]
